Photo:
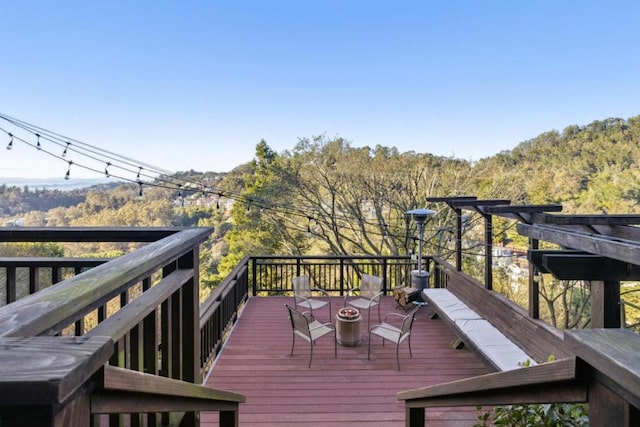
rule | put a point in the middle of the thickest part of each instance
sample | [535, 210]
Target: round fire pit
[348, 323]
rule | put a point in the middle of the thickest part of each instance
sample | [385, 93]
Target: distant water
[53, 183]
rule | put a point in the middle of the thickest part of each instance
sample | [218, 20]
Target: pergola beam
[617, 249]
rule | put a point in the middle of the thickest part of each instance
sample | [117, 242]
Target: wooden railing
[600, 367]
[271, 275]
[605, 373]
[220, 310]
[136, 359]
[129, 336]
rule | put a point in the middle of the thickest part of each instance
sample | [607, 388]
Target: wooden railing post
[534, 283]
[414, 417]
[32, 395]
[11, 284]
[190, 328]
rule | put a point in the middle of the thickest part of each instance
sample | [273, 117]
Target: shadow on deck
[281, 390]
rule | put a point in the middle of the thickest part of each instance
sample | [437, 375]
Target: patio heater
[420, 277]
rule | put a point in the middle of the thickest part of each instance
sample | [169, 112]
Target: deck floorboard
[282, 391]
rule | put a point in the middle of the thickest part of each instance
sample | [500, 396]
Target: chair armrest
[321, 290]
[384, 325]
[322, 325]
[348, 293]
[401, 316]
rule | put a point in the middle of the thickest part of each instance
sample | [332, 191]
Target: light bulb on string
[308, 226]
[38, 146]
[68, 174]
[140, 192]
[138, 176]
[64, 153]
[106, 170]
[218, 205]
[10, 144]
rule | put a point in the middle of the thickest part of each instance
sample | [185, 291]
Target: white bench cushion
[494, 345]
[450, 304]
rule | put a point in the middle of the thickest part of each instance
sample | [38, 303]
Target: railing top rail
[46, 311]
[51, 261]
[486, 389]
[86, 234]
[332, 257]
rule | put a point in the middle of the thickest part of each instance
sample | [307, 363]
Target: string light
[106, 170]
[140, 192]
[308, 226]
[64, 153]
[10, 144]
[68, 174]
[160, 179]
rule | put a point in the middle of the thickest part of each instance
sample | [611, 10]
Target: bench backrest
[533, 336]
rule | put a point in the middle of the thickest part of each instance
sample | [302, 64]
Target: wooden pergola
[602, 249]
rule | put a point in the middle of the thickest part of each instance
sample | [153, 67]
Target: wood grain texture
[282, 391]
[58, 306]
[613, 352]
[47, 370]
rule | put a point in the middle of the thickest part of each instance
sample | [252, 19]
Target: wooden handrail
[552, 382]
[121, 390]
[145, 306]
[54, 308]
[86, 234]
[51, 262]
[502, 387]
[48, 370]
[133, 313]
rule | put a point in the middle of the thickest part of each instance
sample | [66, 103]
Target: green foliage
[545, 415]
[28, 249]
[535, 415]
[325, 196]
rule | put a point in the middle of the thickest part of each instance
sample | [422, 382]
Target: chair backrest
[407, 323]
[370, 286]
[301, 286]
[299, 322]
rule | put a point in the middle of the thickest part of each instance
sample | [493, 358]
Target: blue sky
[197, 84]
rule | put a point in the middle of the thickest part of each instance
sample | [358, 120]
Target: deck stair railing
[116, 345]
[604, 373]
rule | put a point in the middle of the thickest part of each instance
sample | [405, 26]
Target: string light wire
[162, 178]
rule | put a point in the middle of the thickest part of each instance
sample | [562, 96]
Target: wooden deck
[282, 391]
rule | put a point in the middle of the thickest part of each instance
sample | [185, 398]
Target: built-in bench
[534, 337]
[475, 332]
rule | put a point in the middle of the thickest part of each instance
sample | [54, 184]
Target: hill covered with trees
[327, 196]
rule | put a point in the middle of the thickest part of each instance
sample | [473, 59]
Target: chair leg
[369, 352]
[293, 343]
[311, 357]
[379, 318]
[335, 345]
[398, 355]
[409, 339]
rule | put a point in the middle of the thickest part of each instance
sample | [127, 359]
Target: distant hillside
[588, 169]
[52, 183]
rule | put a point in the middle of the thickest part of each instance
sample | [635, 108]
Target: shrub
[535, 415]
